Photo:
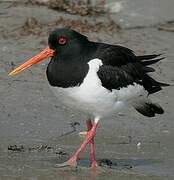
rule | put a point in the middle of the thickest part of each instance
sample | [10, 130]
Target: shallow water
[149, 161]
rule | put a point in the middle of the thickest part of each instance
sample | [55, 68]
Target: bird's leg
[93, 162]
[89, 136]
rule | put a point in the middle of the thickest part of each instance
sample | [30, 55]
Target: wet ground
[37, 131]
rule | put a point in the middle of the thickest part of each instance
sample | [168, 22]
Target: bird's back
[121, 67]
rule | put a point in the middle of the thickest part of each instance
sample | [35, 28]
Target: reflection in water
[76, 174]
[93, 174]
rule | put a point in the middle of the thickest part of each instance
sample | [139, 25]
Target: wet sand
[45, 132]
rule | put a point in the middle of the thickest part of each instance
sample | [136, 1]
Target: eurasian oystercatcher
[98, 79]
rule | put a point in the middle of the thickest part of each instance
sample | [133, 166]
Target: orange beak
[47, 52]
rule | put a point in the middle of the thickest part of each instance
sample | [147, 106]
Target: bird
[97, 79]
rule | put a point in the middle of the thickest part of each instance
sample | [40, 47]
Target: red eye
[62, 40]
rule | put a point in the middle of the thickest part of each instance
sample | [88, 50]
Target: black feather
[152, 85]
[147, 57]
[122, 68]
[149, 109]
[146, 63]
[163, 84]
[148, 69]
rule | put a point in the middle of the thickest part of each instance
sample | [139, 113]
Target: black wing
[121, 67]
[115, 55]
[118, 77]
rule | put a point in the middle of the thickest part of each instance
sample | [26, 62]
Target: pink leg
[93, 162]
[73, 160]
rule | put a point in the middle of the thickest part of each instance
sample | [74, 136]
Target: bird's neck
[64, 73]
[70, 70]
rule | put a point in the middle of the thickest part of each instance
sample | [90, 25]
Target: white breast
[92, 98]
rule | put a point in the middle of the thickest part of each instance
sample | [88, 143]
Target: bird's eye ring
[62, 40]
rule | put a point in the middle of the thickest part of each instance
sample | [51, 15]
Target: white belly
[92, 98]
[97, 103]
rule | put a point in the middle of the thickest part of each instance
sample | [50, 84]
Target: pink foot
[89, 139]
[94, 164]
[72, 162]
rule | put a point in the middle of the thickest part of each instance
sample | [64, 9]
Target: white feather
[92, 98]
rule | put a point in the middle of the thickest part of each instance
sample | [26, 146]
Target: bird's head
[63, 44]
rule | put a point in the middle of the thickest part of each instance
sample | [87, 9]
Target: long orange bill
[47, 52]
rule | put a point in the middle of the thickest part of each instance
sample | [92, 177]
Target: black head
[70, 54]
[67, 42]
[68, 66]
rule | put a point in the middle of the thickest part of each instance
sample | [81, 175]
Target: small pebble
[139, 145]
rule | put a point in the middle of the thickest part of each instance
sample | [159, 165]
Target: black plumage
[120, 66]
[149, 109]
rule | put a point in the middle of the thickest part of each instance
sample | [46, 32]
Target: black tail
[149, 83]
[147, 57]
[149, 109]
